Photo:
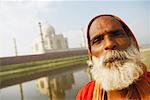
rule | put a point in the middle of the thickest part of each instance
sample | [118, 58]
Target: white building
[51, 40]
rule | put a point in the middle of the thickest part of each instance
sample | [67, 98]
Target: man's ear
[90, 62]
[90, 54]
[134, 43]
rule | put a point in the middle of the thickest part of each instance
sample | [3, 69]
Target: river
[61, 86]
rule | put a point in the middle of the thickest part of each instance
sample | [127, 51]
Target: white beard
[122, 73]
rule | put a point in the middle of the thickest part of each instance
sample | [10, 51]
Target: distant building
[51, 40]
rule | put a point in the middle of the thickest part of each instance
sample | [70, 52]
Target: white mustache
[122, 56]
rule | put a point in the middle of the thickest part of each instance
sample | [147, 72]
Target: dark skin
[106, 33]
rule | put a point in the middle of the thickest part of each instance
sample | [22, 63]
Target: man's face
[106, 34]
[116, 60]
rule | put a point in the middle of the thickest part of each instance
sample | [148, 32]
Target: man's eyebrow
[115, 31]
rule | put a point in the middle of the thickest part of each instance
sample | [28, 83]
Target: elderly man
[117, 69]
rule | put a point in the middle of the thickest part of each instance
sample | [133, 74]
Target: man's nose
[110, 44]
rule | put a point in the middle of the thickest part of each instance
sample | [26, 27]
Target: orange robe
[139, 90]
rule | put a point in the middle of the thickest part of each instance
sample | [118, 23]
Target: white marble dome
[47, 29]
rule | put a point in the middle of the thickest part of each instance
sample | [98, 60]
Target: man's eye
[97, 40]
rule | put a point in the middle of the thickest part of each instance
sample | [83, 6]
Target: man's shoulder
[89, 85]
[86, 91]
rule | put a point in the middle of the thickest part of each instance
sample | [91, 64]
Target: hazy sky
[20, 20]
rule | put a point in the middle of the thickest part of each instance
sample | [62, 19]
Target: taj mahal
[48, 40]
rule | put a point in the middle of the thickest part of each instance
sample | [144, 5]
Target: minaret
[84, 38]
[42, 39]
[15, 47]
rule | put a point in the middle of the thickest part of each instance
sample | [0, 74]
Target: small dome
[47, 29]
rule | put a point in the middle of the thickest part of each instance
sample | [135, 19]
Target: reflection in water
[55, 87]
[21, 91]
[64, 86]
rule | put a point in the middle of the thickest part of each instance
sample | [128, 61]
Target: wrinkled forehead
[104, 24]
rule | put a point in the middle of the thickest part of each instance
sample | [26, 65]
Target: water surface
[61, 86]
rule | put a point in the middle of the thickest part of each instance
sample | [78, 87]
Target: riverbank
[12, 74]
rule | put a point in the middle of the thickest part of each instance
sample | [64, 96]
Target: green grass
[17, 70]
[35, 63]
